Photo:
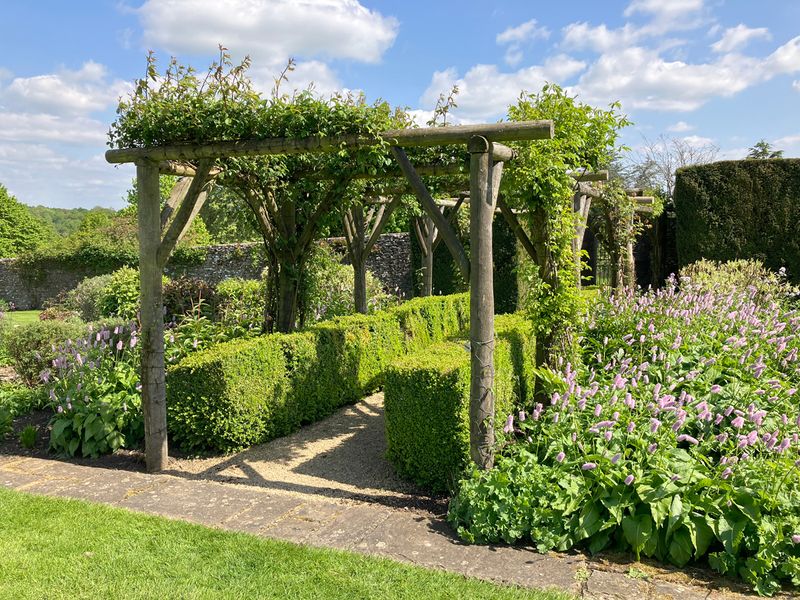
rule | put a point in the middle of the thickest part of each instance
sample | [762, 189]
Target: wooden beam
[429, 206]
[176, 196]
[481, 304]
[190, 206]
[427, 136]
[516, 227]
[589, 176]
[154, 405]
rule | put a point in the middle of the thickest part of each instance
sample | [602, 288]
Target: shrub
[241, 302]
[328, 288]
[677, 438]
[736, 276]
[87, 297]
[16, 400]
[94, 392]
[120, 296]
[32, 346]
[427, 403]
[185, 295]
[740, 209]
[241, 393]
[58, 313]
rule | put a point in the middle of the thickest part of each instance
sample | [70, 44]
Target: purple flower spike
[521, 415]
[629, 480]
[509, 424]
[615, 458]
[589, 466]
[715, 389]
[652, 448]
[560, 457]
[796, 539]
[726, 473]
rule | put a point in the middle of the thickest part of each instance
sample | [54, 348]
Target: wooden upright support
[154, 405]
[481, 325]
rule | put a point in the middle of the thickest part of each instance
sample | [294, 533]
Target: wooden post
[154, 406]
[481, 325]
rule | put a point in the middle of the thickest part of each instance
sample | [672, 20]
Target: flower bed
[677, 438]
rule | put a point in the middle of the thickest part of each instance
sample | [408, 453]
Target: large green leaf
[637, 530]
[680, 547]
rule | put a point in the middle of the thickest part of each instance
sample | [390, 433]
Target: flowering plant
[94, 391]
[677, 438]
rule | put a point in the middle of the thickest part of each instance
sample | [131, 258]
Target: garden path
[329, 485]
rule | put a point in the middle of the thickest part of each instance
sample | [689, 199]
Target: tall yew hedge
[740, 209]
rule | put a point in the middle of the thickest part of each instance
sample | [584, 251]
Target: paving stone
[196, 501]
[605, 585]
[664, 590]
[301, 523]
[350, 528]
[14, 480]
[526, 567]
[264, 511]
[108, 487]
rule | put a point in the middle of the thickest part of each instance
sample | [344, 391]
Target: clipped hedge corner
[427, 402]
[242, 393]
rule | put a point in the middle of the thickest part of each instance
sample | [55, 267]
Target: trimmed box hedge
[247, 392]
[427, 402]
[740, 209]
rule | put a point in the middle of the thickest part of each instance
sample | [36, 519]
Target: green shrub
[740, 209]
[241, 393]
[86, 298]
[427, 402]
[32, 346]
[328, 288]
[185, 295]
[120, 296]
[241, 302]
[735, 276]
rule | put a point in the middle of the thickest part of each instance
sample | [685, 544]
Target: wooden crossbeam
[581, 176]
[427, 136]
[429, 206]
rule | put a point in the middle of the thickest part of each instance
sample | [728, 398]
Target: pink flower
[615, 458]
[509, 424]
[629, 480]
[726, 473]
[560, 457]
[589, 466]
[738, 422]
[521, 415]
[715, 389]
[796, 539]
[598, 409]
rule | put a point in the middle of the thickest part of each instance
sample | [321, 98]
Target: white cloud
[668, 14]
[796, 85]
[529, 30]
[515, 37]
[643, 79]
[735, 38]
[698, 141]
[485, 92]
[269, 30]
[790, 144]
[41, 127]
[66, 92]
[680, 127]
[583, 36]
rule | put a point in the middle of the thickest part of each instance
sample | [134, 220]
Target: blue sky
[722, 72]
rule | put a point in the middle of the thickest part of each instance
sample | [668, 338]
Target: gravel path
[339, 457]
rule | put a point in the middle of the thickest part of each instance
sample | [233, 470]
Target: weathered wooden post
[154, 406]
[481, 311]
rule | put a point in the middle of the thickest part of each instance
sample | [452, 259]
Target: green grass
[57, 548]
[21, 317]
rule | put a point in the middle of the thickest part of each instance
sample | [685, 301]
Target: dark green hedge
[427, 402]
[740, 209]
[247, 392]
[447, 278]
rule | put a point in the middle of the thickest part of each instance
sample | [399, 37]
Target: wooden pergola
[487, 156]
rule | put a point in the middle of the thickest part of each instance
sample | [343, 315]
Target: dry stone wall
[390, 261]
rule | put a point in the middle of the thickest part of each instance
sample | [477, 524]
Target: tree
[20, 231]
[292, 197]
[653, 168]
[762, 149]
[537, 183]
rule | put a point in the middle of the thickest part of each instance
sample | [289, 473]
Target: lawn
[22, 317]
[57, 548]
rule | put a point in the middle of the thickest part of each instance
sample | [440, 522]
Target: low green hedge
[242, 393]
[427, 402]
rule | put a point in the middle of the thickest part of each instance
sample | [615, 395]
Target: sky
[722, 72]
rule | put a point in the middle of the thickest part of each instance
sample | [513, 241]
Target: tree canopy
[20, 231]
[762, 149]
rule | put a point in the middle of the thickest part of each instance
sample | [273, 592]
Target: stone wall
[390, 261]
